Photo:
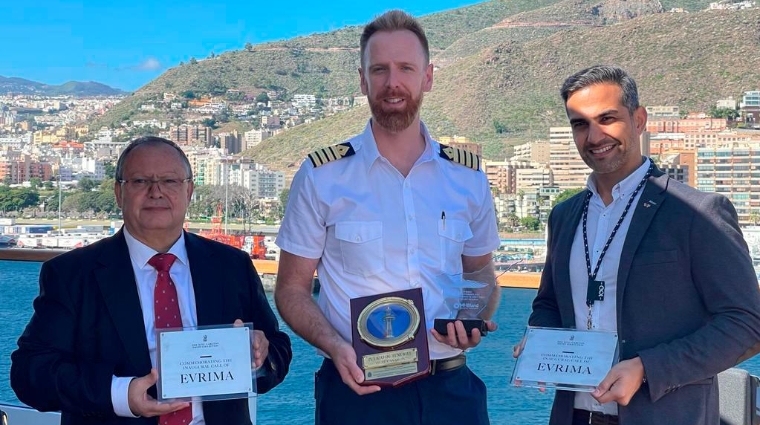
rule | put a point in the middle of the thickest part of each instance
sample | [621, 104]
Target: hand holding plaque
[467, 301]
[389, 337]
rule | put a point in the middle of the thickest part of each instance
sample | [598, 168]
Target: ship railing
[17, 414]
[739, 395]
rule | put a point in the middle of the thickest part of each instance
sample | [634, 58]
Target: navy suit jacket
[687, 299]
[87, 326]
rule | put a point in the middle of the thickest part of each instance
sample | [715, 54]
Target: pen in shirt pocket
[443, 219]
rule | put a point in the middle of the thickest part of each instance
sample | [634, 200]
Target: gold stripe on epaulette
[331, 153]
[460, 156]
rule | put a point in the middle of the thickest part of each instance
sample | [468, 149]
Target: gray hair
[600, 74]
[150, 141]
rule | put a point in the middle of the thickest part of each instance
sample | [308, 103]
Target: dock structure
[522, 280]
[267, 269]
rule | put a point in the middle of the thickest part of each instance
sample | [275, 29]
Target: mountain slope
[72, 88]
[515, 86]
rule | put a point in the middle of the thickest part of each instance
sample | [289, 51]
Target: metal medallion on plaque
[389, 337]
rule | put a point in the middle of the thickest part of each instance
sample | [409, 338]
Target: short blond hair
[394, 20]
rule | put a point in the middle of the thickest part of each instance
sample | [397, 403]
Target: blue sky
[127, 43]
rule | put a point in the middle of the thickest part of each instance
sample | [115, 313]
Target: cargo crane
[250, 243]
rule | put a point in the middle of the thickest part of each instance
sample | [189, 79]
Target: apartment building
[203, 163]
[500, 175]
[533, 178]
[728, 103]
[304, 100]
[672, 165]
[538, 152]
[698, 139]
[23, 169]
[675, 125]
[254, 137]
[569, 170]
[750, 107]
[186, 134]
[231, 143]
[264, 183]
[733, 171]
[663, 111]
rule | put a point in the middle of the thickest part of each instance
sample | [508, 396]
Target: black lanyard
[596, 288]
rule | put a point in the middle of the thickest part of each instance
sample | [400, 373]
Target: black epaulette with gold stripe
[331, 153]
[460, 156]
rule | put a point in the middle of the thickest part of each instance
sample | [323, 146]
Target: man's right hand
[142, 404]
[344, 358]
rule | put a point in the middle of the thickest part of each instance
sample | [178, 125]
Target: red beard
[395, 120]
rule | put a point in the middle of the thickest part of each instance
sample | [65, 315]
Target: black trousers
[453, 397]
[583, 417]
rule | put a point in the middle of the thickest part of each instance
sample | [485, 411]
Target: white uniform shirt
[601, 220]
[377, 231]
[145, 277]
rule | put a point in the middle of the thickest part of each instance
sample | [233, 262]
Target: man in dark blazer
[90, 330]
[684, 299]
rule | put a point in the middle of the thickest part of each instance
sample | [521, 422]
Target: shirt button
[411, 217]
[358, 239]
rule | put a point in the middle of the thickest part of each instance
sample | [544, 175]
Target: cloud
[149, 64]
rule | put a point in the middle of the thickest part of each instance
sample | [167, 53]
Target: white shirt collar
[141, 253]
[626, 186]
[366, 145]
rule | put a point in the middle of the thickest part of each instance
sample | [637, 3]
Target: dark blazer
[687, 299]
[87, 326]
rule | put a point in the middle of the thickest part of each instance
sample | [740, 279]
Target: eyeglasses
[164, 185]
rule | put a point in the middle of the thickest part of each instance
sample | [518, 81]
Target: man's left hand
[260, 345]
[457, 336]
[621, 383]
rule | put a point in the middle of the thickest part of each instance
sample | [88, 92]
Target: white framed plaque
[565, 359]
[205, 363]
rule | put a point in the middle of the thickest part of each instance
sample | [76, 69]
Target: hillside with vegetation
[499, 66]
[17, 85]
[320, 64]
[509, 93]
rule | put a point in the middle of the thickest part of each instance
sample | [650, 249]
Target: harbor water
[292, 402]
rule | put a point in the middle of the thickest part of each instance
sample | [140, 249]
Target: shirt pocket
[361, 246]
[453, 234]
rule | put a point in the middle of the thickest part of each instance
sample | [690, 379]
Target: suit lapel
[209, 293]
[116, 280]
[563, 245]
[651, 199]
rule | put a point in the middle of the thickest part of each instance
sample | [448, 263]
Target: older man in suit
[90, 347]
[677, 280]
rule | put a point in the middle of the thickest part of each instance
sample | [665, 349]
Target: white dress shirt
[601, 220]
[145, 278]
[377, 231]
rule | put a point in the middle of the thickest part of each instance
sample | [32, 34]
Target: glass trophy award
[565, 359]
[389, 337]
[205, 363]
[466, 301]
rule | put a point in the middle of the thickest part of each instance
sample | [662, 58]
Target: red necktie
[166, 315]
